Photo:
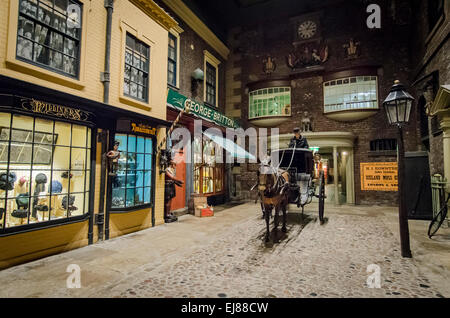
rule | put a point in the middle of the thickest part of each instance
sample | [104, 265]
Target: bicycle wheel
[437, 221]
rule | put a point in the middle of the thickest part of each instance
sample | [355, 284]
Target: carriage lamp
[398, 105]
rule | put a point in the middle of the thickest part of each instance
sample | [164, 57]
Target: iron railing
[438, 192]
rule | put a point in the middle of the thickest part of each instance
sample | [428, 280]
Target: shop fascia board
[198, 26]
[323, 139]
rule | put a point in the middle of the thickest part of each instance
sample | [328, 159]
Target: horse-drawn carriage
[291, 181]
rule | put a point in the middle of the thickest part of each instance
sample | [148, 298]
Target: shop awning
[235, 150]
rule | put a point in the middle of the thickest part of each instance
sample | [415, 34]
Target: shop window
[49, 34]
[267, 102]
[172, 62]
[132, 187]
[353, 93]
[208, 173]
[44, 170]
[137, 55]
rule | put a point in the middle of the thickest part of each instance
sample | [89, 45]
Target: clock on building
[307, 29]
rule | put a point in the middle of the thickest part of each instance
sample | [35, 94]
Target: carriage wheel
[321, 196]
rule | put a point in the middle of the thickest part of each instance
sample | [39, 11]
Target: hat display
[41, 178]
[56, 187]
[66, 175]
[23, 200]
[21, 214]
[7, 180]
[68, 199]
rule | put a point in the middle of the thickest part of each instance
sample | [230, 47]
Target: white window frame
[213, 61]
[328, 108]
[176, 33]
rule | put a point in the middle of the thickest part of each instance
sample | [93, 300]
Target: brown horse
[273, 190]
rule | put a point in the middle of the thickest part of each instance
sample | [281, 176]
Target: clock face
[307, 29]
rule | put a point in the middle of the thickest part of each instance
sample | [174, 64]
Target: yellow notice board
[379, 176]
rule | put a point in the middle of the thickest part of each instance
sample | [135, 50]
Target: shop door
[179, 202]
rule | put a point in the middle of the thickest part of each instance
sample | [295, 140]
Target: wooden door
[179, 201]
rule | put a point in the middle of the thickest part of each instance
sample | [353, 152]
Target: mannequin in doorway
[170, 192]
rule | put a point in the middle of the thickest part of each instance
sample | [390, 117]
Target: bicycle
[438, 219]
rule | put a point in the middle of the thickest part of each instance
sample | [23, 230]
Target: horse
[273, 190]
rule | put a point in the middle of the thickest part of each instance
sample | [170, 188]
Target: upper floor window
[274, 101]
[49, 34]
[137, 58]
[352, 93]
[172, 60]
[211, 84]
[211, 70]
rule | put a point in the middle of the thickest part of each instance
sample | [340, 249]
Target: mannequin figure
[113, 159]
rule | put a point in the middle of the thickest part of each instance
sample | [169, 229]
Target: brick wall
[437, 47]
[191, 57]
[387, 50]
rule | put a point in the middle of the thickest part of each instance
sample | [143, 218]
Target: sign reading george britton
[379, 176]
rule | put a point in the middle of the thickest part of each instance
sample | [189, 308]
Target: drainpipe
[105, 77]
[103, 136]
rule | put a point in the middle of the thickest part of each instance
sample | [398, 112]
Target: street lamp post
[398, 106]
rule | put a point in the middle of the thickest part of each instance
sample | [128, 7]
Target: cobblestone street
[225, 256]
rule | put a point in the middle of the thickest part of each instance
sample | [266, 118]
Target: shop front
[58, 188]
[205, 175]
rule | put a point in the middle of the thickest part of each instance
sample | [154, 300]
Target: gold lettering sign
[143, 129]
[379, 176]
[40, 107]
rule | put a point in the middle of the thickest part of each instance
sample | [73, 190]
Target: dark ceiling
[222, 15]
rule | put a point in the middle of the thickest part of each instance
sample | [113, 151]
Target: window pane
[56, 39]
[63, 133]
[78, 136]
[147, 195]
[61, 158]
[130, 197]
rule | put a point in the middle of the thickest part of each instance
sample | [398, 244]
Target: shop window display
[208, 174]
[50, 35]
[44, 170]
[131, 185]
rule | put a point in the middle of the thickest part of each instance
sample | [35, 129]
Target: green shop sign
[181, 102]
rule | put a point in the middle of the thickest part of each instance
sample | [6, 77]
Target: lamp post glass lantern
[398, 105]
